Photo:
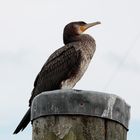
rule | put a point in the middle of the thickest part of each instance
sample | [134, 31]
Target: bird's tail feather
[24, 122]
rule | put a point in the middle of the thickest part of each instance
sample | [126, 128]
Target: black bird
[65, 67]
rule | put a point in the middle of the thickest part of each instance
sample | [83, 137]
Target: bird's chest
[71, 81]
[86, 57]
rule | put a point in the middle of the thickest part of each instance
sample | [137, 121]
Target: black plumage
[65, 67]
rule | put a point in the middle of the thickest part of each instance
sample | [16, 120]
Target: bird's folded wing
[60, 65]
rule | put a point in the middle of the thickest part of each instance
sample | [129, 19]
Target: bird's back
[59, 67]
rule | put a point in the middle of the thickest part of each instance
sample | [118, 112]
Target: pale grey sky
[30, 30]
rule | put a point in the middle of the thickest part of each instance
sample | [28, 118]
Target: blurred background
[30, 30]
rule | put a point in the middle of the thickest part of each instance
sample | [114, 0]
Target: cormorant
[65, 67]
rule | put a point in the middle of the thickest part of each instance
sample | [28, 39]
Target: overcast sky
[30, 30]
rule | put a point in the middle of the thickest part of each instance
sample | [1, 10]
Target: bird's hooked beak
[86, 26]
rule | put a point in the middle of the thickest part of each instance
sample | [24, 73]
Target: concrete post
[79, 115]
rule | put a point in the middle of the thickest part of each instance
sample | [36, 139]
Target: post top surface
[80, 102]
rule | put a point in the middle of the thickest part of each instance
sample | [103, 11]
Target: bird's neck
[77, 38]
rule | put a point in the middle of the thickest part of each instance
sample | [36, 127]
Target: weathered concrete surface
[77, 102]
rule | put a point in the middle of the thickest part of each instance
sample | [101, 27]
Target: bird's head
[76, 28]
